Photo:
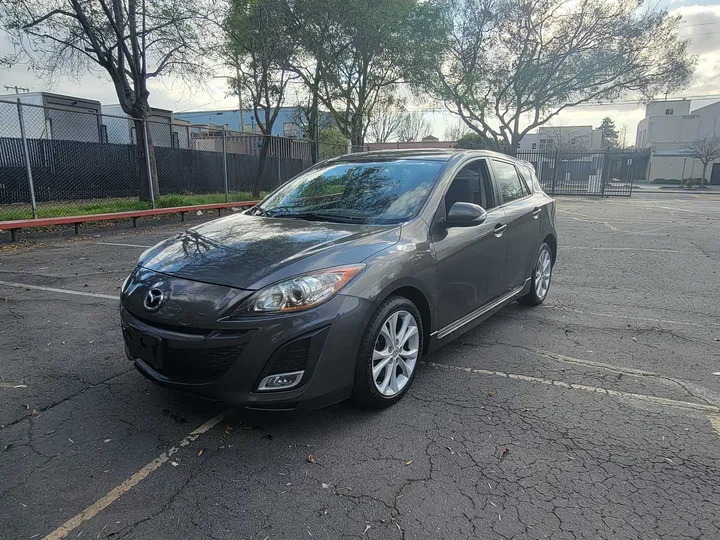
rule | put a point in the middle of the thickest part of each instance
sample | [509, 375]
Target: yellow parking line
[114, 494]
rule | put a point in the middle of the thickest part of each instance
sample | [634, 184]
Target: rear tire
[389, 354]
[540, 278]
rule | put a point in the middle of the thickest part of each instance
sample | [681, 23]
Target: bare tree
[454, 131]
[706, 148]
[512, 65]
[386, 119]
[258, 48]
[414, 127]
[622, 137]
[131, 42]
[567, 138]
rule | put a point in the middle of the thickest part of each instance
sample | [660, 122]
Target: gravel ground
[592, 416]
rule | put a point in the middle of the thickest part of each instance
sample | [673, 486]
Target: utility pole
[240, 105]
[17, 89]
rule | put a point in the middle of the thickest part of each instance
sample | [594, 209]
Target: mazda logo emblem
[153, 299]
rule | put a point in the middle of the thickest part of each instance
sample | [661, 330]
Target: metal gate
[606, 173]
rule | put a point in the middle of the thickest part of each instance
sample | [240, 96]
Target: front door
[470, 260]
[523, 213]
[715, 174]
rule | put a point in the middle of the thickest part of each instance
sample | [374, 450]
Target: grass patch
[106, 206]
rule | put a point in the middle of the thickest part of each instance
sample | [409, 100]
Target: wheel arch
[551, 241]
[417, 297]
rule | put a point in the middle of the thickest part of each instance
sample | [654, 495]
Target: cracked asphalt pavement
[595, 415]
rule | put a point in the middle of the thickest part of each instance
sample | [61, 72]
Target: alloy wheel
[543, 272]
[395, 353]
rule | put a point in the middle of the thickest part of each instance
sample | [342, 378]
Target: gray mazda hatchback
[338, 282]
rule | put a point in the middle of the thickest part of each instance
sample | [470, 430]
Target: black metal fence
[56, 162]
[606, 173]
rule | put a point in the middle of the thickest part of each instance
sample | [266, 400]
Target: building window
[669, 112]
[290, 129]
[103, 133]
[175, 139]
[534, 146]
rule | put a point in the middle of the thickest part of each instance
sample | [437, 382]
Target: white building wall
[668, 135]
[34, 117]
[673, 107]
[121, 128]
[709, 119]
[529, 142]
[66, 118]
[568, 137]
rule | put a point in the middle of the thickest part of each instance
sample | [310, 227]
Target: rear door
[522, 218]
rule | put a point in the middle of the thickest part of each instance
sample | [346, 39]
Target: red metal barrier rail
[15, 225]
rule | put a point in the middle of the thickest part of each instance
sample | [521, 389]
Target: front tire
[540, 278]
[389, 354]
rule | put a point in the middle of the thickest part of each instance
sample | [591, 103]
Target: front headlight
[301, 292]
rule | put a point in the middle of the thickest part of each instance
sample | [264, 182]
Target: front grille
[197, 365]
[291, 357]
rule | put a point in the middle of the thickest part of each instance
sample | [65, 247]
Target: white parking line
[715, 422]
[12, 385]
[118, 244]
[114, 494]
[62, 291]
[700, 407]
[630, 318]
[622, 249]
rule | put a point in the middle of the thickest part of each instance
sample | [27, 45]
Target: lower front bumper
[234, 360]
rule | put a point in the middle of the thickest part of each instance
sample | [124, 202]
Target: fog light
[281, 381]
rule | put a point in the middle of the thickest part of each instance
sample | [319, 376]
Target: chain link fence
[64, 162]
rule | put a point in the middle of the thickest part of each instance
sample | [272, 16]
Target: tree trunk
[142, 162]
[262, 158]
[514, 141]
[705, 166]
[314, 127]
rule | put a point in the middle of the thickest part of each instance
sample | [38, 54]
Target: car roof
[433, 154]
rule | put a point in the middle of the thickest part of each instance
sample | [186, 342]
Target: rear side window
[508, 181]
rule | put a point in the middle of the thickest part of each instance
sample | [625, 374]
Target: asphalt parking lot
[595, 415]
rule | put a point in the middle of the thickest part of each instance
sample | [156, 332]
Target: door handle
[499, 230]
[536, 212]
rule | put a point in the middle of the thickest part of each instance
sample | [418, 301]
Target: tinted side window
[508, 182]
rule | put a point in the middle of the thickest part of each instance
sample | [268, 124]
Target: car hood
[249, 252]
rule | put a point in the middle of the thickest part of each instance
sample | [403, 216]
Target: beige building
[667, 129]
[566, 138]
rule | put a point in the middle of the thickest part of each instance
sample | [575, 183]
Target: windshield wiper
[310, 216]
[315, 216]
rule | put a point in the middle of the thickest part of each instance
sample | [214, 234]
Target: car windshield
[367, 192]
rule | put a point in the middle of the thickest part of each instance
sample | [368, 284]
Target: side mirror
[463, 214]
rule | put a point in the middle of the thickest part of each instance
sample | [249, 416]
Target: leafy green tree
[128, 42]
[257, 46]
[610, 133]
[332, 143]
[351, 53]
[512, 65]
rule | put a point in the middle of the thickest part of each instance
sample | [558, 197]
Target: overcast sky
[700, 22]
